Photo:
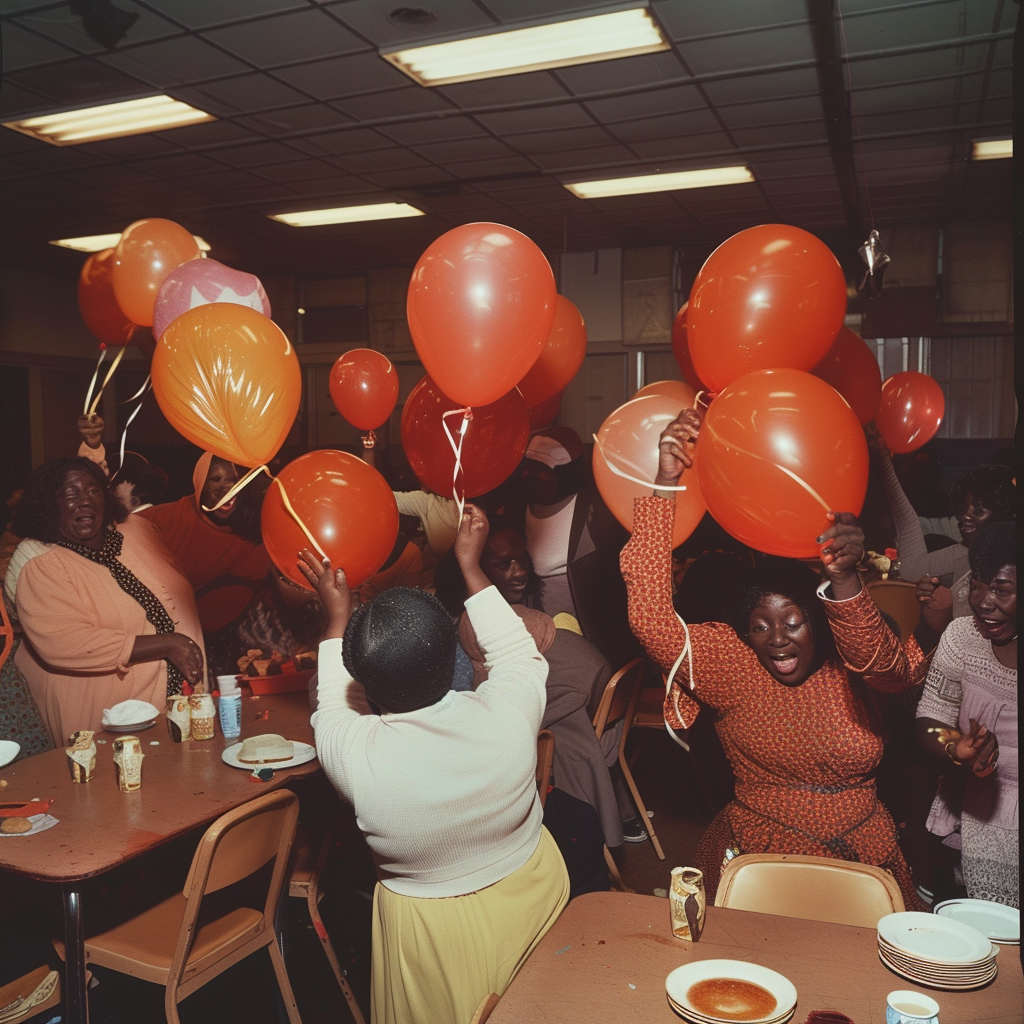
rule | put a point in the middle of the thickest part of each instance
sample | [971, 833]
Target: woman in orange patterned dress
[793, 715]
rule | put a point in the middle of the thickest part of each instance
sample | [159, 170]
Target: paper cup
[906, 1007]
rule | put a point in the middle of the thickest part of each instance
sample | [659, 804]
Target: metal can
[203, 715]
[179, 718]
[81, 756]
[128, 757]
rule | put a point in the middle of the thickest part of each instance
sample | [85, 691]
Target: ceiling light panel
[672, 182]
[97, 243]
[110, 121]
[558, 45]
[347, 214]
[992, 149]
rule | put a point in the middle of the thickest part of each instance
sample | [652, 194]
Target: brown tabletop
[607, 957]
[184, 785]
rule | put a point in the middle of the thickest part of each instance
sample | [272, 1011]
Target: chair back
[545, 759]
[897, 598]
[241, 842]
[618, 692]
[814, 888]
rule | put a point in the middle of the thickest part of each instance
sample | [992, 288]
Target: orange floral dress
[803, 756]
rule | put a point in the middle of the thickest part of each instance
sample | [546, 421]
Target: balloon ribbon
[686, 652]
[467, 415]
[91, 411]
[141, 396]
[247, 479]
[635, 479]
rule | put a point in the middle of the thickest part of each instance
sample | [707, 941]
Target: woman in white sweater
[443, 785]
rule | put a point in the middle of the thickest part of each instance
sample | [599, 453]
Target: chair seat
[649, 711]
[144, 945]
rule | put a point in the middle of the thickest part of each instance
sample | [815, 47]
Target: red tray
[287, 682]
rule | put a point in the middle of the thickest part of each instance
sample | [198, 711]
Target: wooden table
[184, 786]
[606, 959]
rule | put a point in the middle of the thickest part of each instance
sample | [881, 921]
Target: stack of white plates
[936, 951]
[996, 922]
[732, 991]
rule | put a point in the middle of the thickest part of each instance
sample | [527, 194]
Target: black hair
[995, 545]
[401, 647]
[36, 514]
[991, 486]
[797, 583]
[244, 520]
[149, 483]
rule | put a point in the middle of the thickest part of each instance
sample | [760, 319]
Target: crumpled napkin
[129, 712]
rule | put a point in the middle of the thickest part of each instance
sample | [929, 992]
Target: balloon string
[370, 439]
[467, 415]
[635, 479]
[248, 478]
[295, 515]
[686, 652]
[141, 395]
[92, 383]
[106, 381]
[138, 394]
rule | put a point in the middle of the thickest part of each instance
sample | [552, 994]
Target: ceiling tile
[883, 29]
[209, 133]
[60, 24]
[78, 82]
[132, 147]
[394, 103]
[679, 150]
[503, 92]
[998, 111]
[657, 101]
[567, 115]
[780, 134]
[548, 142]
[286, 38]
[623, 73]
[443, 153]
[295, 119]
[751, 49]
[343, 76]
[391, 159]
[432, 129]
[258, 154]
[689, 20]
[111, 175]
[412, 178]
[185, 59]
[603, 161]
[908, 95]
[930, 64]
[795, 108]
[777, 188]
[502, 166]
[248, 94]
[770, 85]
[671, 126]
[218, 12]
[353, 140]
[23, 49]
[298, 170]
[179, 166]
[370, 19]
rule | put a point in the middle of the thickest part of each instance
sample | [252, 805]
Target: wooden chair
[897, 598]
[545, 758]
[314, 842]
[814, 888]
[619, 702]
[169, 946]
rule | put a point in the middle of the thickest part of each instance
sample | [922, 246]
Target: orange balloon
[681, 349]
[495, 440]
[561, 357]
[910, 411]
[682, 394]
[364, 388]
[146, 253]
[770, 296]
[628, 441]
[481, 304]
[346, 505]
[852, 369]
[543, 415]
[779, 449]
[227, 378]
[96, 302]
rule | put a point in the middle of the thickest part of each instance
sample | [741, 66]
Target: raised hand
[331, 588]
[675, 447]
[936, 603]
[841, 552]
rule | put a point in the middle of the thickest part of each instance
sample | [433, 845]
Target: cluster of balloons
[787, 388]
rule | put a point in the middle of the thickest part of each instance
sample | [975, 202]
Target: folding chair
[170, 945]
[897, 598]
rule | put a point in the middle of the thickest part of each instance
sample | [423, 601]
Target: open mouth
[227, 507]
[784, 665]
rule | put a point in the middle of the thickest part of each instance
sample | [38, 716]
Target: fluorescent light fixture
[512, 52]
[992, 149]
[111, 121]
[97, 243]
[346, 214]
[660, 182]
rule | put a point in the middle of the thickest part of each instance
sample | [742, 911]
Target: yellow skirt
[435, 960]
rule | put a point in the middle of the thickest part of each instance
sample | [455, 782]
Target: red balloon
[852, 369]
[681, 349]
[770, 296]
[481, 304]
[628, 441]
[143, 258]
[680, 393]
[96, 302]
[364, 388]
[495, 442]
[346, 505]
[200, 281]
[779, 449]
[561, 358]
[543, 415]
[911, 410]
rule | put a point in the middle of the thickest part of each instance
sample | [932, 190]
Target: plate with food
[713, 991]
[268, 750]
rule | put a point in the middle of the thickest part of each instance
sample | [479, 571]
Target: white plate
[699, 1018]
[303, 752]
[937, 939]
[999, 923]
[137, 727]
[941, 965]
[952, 986]
[9, 750]
[678, 983]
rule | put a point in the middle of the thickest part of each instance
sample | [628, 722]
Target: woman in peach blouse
[106, 612]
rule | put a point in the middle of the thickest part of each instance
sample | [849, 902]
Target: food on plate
[266, 749]
[731, 999]
[257, 662]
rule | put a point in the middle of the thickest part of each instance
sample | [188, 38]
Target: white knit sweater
[445, 795]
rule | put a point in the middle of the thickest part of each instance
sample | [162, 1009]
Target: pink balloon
[202, 281]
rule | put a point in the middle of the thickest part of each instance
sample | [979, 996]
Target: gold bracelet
[949, 753]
